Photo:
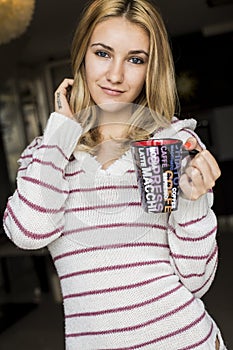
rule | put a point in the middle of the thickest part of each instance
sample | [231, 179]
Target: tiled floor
[42, 329]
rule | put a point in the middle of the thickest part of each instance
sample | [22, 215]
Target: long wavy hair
[157, 101]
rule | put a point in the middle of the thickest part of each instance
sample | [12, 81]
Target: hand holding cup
[200, 174]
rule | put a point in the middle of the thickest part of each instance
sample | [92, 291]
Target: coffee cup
[158, 167]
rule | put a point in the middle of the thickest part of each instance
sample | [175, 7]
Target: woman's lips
[111, 92]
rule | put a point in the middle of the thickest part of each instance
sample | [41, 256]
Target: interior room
[34, 59]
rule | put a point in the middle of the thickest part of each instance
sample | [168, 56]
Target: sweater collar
[119, 167]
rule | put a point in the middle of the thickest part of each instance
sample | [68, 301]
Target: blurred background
[35, 39]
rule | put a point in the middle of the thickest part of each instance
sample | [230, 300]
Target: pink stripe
[189, 257]
[104, 206]
[215, 251]
[25, 157]
[192, 239]
[130, 307]
[188, 131]
[38, 207]
[164, 337]
[51, 164]
[174, 121]
[54, 147]
[44, 184]
[114, 267]
[34, 147]
[103, 188]
[110, 226]
[75, 173]
[190, 275]
[111, 246]
[202, 341]
[207, 281]
[196, 274]
[29, 233]
[115, 289]
[196, 257]
[22, 168]
[138, 326]
[192, 221]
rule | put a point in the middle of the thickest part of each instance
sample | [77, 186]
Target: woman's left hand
[60, 98]
[200, 174]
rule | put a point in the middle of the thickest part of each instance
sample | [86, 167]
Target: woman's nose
[115, 73]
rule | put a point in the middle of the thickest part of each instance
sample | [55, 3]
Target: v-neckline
[118, 167]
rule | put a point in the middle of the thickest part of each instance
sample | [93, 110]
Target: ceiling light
[15, 16]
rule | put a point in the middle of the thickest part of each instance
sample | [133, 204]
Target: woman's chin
[115, 107]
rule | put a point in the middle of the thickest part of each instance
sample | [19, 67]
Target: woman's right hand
[61, 102]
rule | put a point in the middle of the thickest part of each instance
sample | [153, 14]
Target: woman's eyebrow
[103, 45]
[136, 52]
[131, 52]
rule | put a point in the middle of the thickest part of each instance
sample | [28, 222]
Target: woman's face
[116, 61]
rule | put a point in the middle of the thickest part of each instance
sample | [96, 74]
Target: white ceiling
[50, 32]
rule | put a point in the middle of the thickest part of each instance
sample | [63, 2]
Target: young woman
[129, 279]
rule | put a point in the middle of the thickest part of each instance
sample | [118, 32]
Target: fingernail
[188, 144]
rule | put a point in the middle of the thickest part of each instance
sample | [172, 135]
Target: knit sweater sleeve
[192, 239]
[34, 215]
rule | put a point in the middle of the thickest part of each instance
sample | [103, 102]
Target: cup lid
[155, 142]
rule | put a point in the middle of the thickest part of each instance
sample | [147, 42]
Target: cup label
[158, 171]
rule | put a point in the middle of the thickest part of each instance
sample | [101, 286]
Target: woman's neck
[116, 131]
[113, 124]
[113, 127]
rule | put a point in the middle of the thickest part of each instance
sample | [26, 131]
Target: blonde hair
[158, 95]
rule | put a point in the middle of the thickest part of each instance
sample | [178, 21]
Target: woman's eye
[101, 54]
[136, 60]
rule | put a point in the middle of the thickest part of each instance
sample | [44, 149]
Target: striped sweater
[129, 279]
